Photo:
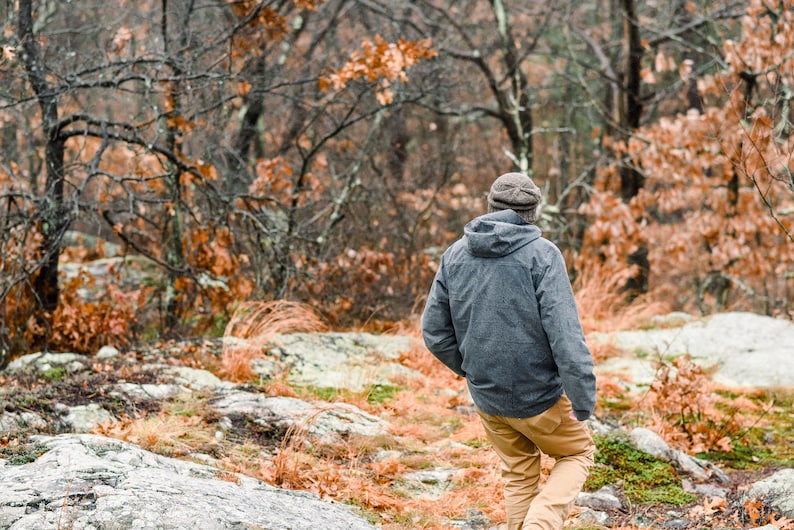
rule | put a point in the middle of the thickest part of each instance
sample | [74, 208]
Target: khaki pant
[518, 442]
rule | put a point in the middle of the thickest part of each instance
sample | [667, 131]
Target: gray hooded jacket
[501, 313]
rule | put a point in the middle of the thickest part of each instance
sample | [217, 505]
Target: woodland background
[326, 152]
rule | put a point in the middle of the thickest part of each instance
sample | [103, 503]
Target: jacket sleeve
[437, 329]
[560, 319]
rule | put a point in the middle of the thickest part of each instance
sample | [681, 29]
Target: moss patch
[54, 374]
[645, 478]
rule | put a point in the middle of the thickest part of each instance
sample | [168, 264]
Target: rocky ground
[152, 438]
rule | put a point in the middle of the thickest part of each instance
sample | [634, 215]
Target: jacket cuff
[581, 415]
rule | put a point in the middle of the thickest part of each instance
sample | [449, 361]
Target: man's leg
[520, 466]
[571, 445]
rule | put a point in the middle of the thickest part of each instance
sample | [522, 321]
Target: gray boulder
[351, 361]
[744, 349]
[92, 482]
[324, 423]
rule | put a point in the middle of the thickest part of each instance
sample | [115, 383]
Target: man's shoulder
[457, 247]
[544, 243]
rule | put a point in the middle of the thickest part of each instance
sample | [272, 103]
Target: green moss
[759, 449]
[54, 374]
[375, 394]
[325, 393]
[645, 479]
[23, 453]
[618, 403]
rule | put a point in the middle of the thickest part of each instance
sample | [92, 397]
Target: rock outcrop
[742, 349]
[92, 482]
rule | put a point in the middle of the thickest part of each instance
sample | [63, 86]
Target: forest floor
[437, 432]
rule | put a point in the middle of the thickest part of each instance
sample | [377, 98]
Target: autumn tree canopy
[325, 151]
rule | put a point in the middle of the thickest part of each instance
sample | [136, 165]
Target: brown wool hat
[515, 191]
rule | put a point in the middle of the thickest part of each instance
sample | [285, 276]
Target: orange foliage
[84, 326]
[264, 20]
[264, 25]
[275, 181]
[716, 186]
[310, 5]
[356, 284]
[209, 293]
[382, 60]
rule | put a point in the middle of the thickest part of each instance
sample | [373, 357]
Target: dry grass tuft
[252, 328]
[603, 350]
[248, 459]
[598, 296]
[418, 358]
[603, 306]
[163, 434]
[290, 461]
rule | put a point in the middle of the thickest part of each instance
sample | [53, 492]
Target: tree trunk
[52, 214]
[174, 227]
[631, 180]
[514, 105]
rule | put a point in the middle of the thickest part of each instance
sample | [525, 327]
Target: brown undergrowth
[433, 428]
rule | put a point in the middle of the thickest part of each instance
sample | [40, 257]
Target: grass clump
[251, 329]
[376, 394]
[379, 393]
[645, 478]
[325, 393]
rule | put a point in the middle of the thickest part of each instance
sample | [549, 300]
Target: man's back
[501, 287]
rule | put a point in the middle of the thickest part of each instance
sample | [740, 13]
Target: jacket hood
[498, 234]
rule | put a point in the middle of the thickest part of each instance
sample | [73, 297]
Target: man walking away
[502, 314]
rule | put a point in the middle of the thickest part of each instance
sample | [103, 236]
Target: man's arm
[437, 329]
[563, 328]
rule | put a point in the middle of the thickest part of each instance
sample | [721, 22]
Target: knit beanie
[515, 191]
